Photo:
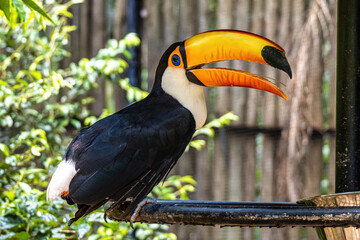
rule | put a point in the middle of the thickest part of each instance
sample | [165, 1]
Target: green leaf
[75, 123]
[206, 131]
[21, 235]
[10, 195]
[35, 150]
[5, 6]
[46, 95]
[31, 16]
[6, 223]
[4, 149]
[33, 5]
[89, 121]
[197, 144]
[188, 179]
[69, 28]
[25, 187]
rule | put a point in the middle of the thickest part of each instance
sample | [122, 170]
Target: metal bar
[348, 97]
[276, 131]
[134, 25]
[244, 214]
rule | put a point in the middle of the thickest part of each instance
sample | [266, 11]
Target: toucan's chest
[189, 95]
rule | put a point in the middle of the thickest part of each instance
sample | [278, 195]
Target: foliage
[36, 124]
[208, 129]
[23, 12]
[41, 108]
[175, 187]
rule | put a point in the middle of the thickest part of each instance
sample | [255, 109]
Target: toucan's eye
[175, 59]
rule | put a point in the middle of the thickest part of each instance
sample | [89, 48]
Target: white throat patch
[191, 96]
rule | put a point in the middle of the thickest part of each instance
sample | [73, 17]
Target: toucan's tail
[84, 210]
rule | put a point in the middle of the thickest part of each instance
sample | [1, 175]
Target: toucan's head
[185, 59]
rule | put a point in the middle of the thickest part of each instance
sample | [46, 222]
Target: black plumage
[123, 156]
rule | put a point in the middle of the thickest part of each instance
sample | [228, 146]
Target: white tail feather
[60, 180]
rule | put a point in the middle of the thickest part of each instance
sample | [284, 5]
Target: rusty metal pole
[243, 214]
[348, 97]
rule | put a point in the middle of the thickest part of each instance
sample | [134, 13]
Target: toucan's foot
[105, 216]
[71, 221]
[138, 209]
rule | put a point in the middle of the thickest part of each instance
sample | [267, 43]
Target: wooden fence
[278, 150]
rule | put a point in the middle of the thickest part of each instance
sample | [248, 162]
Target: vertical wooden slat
[248, 176]
[202, 161]
[330, 66]
[234, 171]
[238, 99]
[154, 37]
[75, 36]
[267, 189]
[84, 27]
[293, 174]
[270, 111]
[223, 21]
[188, 24]
[270, 114]
[119, 32]
[284, 38]
[292, 161]
[239, 95]
[256, 26]
[313, 162]
[171, 18]
[219, 183]
[119, 19]
[204, 16]
[203, 186]
[249, 161]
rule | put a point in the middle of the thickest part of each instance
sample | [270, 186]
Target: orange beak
[221, 45]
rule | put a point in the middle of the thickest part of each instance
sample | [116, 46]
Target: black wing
[125, 155]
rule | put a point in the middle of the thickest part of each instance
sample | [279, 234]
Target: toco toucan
[123, 156]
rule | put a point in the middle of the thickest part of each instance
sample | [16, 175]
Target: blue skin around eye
[175, 60]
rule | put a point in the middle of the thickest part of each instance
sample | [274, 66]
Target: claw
[138, 209]
[105, 217]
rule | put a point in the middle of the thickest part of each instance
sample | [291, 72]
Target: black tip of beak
[276, 58]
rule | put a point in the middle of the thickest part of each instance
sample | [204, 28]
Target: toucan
[122, 157]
